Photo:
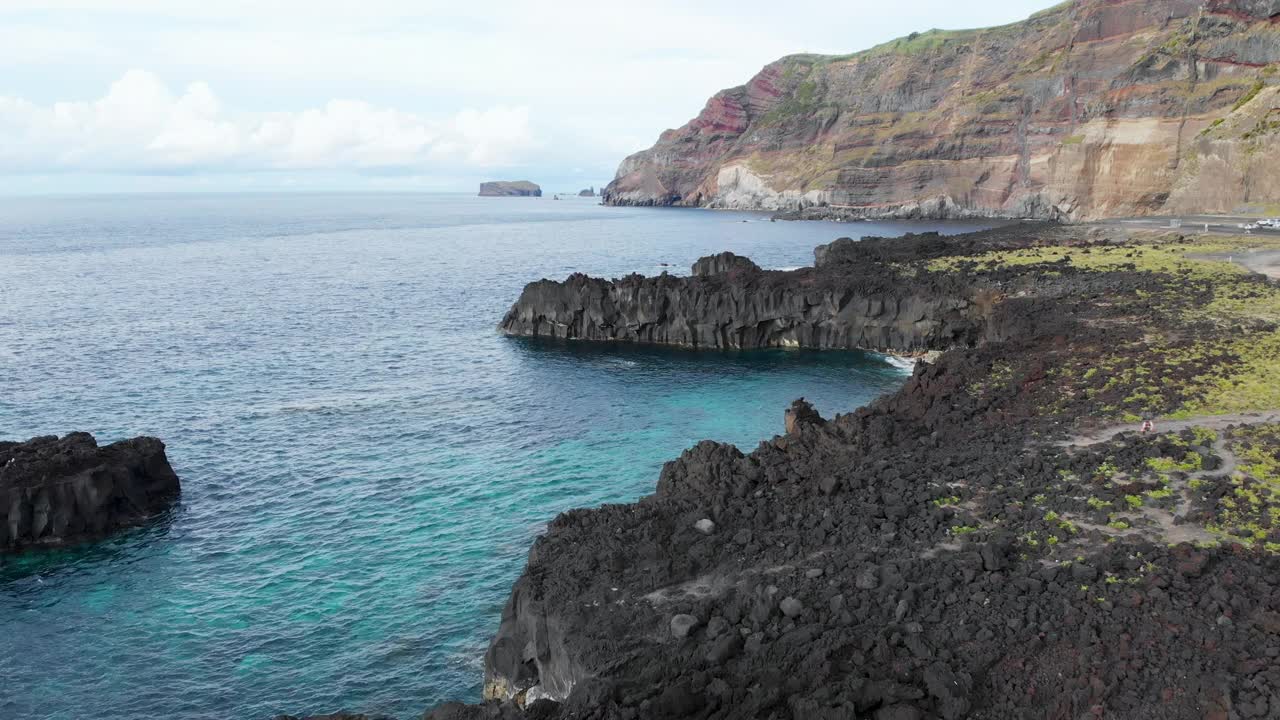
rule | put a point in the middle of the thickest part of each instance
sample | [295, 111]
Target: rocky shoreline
[993, 541]
[59, 491]
[854, 297]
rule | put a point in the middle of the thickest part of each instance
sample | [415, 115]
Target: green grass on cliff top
[930, 40]
[1244, 313]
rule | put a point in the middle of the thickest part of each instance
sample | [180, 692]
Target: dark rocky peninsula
[56, 491]
[995, 540]
[851, 298]
[510, 188]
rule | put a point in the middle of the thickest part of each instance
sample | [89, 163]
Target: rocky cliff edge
[1093, 108]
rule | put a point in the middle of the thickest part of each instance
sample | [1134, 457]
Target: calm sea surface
[364, 459]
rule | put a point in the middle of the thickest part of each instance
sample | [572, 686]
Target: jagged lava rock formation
[59, 491]
[1090, 109]
[948, 551]
[852, 298]
[510, 188]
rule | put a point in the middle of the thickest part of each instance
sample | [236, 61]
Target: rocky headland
[995, 540]
[57, 491]
[510, 188]
[1090, 109]
[852, 298]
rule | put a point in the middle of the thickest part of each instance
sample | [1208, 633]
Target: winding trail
[1165, 425]
[1158, 523]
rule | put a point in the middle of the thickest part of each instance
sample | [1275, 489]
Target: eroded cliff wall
[851, 299]
[1090, 109]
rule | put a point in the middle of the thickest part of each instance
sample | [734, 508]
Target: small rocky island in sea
[58, 491]
[589, 192]
[510, 188]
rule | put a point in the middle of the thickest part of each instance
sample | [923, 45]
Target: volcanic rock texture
[58, 491]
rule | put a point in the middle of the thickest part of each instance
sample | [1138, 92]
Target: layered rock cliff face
[1092, 108]
[58, 491]
[851, 299]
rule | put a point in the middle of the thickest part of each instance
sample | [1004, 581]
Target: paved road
[1196, 223]
[1263, 261]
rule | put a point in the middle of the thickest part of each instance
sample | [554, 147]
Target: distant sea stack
[589, 192]
[510, 188]
[56, 491]
[1090, 109]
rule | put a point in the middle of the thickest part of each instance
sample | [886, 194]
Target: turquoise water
[364, 459]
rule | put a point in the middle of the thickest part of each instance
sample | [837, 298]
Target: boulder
[56, 491]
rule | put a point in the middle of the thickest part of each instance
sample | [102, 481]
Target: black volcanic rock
[854, 299]
[510, 188]
[55, 491]
[801, 413]
[723, 264]
[930, 556]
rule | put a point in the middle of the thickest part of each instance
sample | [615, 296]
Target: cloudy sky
[188, 95]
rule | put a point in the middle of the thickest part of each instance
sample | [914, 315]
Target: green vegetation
[1249, 514]
[1250, 95]
[947, 501]
[1204, 436]
[1235, 368]
[1190, 463]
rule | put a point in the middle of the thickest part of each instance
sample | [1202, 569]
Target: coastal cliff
[853, 298]
[60, 491]
[1093, 108]
[995, 540]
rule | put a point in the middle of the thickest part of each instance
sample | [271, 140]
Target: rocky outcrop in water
[946, 552]
[852, 298]
[56, 491]
[510, 188]
[1090, 109]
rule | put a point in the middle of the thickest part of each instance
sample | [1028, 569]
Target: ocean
[364, 459]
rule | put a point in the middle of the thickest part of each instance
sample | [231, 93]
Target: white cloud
[593, 82]
[140, 125]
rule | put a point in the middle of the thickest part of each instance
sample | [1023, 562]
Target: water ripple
[364, 460]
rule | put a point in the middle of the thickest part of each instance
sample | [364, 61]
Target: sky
[247, 95]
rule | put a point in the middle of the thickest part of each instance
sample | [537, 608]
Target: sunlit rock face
[1091, 109]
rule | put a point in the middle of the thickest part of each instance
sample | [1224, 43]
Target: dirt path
[1169, 526]
[1163, 425]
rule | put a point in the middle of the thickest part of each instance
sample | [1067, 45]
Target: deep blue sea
[364, 459]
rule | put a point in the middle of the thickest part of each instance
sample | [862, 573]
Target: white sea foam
[902, 363]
